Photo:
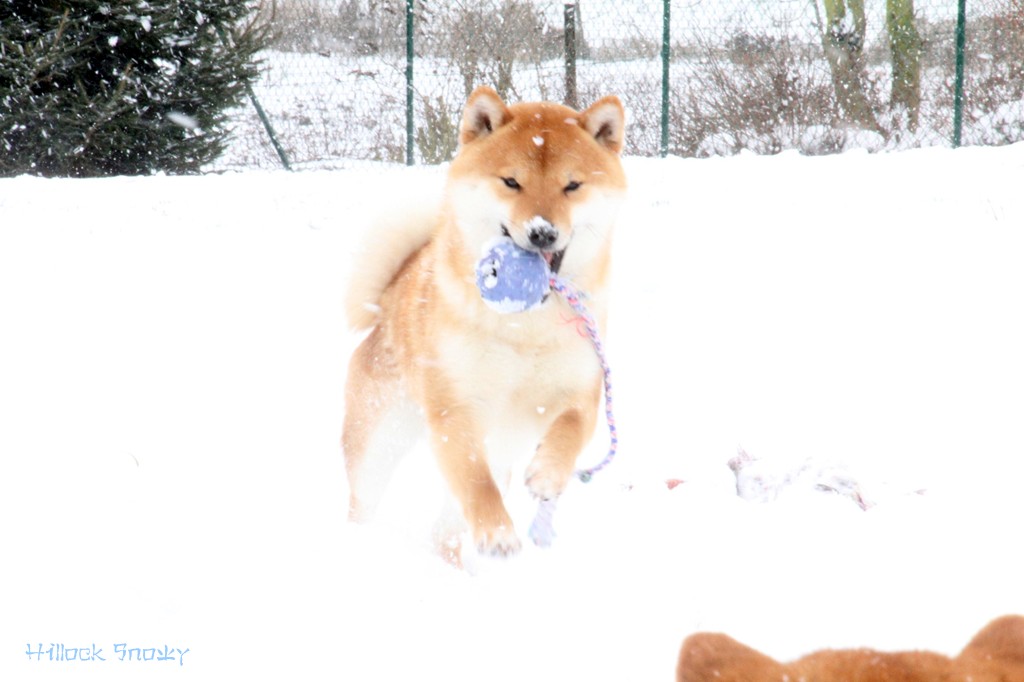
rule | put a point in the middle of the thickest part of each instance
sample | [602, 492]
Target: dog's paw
[546, 479]
[498, 541]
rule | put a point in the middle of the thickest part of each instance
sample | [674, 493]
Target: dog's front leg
[552, 466]
[463, 462]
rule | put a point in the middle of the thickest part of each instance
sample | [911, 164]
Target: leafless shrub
[488, 43]
[758, 93]
[352, 27]
[437, 139]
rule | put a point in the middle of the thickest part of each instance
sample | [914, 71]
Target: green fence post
[958, 87]
[264, 119]
[666, 54]
[409, 56]
[271, 133]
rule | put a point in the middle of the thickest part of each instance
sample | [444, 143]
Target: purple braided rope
[542, 530]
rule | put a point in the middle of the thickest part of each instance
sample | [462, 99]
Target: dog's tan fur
[996, 654]
[487, 385]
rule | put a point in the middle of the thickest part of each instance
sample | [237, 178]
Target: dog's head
[543, 174]
[996, 654]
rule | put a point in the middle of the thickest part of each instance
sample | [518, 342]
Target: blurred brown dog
[996, 654]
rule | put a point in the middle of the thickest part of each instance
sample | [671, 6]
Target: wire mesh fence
[385, 80]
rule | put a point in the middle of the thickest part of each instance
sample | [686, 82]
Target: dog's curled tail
[395, 235]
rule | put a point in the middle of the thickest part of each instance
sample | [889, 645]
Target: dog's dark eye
[511, 183]
[573, 186]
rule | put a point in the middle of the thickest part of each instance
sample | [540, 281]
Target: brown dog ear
[714, 657]
[484, 113]
[606, 121]
[1001, 640]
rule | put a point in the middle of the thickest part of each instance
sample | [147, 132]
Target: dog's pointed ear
[606, 121]
[484, 113]
[714, 657]
[1001, 640]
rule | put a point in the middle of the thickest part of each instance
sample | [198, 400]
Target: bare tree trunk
[905, 46]
[843, 41]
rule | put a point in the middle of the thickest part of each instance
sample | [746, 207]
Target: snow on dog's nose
[541, 233]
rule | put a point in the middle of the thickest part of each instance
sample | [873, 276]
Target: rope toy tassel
[513, 279]
[542, 530]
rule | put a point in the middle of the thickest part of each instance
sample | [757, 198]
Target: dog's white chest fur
[511, 380]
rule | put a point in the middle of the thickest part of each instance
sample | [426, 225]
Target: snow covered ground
[172, 356]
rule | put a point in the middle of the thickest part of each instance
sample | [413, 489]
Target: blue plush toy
[512, 279]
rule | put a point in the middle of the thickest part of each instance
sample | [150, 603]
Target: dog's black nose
[543, 236]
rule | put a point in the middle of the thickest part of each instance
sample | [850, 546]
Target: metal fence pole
[409, 56]
[571, 98]
[271, 133]
[666, 54]
[264, 119]
[958, 87]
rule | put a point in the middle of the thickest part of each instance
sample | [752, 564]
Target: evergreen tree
[120, 87]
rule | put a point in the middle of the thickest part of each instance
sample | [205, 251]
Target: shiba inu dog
[489, 387]
[996, 654]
